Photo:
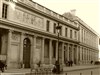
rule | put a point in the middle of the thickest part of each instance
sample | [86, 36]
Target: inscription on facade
[28, 19]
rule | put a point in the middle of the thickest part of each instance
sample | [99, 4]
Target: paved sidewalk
[80, 67]
[65, 69]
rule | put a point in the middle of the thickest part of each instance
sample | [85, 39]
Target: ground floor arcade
[21, 48]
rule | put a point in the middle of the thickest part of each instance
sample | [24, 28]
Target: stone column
[21, 49]
[9, 48]
[50, 51]
[62, 53]
[56, 50]
[80, 55]
[84, 55]
[72, 53]
[87, 55]
[77, 55]
[68, 52]
[90, 55]
[42, 60]
[78, 48]
[32, 52]
[34, 48]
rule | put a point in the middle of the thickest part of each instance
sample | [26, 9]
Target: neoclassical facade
[28, 35]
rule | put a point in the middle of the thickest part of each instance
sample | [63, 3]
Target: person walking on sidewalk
[71, 63]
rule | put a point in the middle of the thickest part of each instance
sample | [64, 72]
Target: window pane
[47, 24]
[70, 33]
[4, 11]
[66, 32]
[54, 27]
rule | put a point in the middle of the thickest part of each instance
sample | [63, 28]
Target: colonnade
[68, 50]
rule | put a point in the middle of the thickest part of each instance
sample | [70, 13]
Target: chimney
[73, 12]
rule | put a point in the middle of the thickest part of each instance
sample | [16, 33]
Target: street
[94, 71]
[74, 70]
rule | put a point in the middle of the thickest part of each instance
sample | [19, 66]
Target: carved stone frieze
[15, 37]
[29, 19]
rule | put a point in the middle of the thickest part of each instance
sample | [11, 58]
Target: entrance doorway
[26, 52]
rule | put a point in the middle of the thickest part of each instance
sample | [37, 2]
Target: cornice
[82, 23]
[85, 45]
[28, 7]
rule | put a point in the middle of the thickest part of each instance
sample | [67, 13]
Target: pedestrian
[71, 62]
[91, 61]
[66, 62]
[54, 70]
[39, 63]
[2, 66]
[55, 67]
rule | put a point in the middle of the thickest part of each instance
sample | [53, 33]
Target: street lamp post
[58, 64]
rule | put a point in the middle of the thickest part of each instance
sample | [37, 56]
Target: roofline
[87, 26]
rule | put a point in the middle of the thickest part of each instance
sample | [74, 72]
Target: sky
[87, 10]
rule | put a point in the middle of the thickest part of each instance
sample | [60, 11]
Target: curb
[78, 69]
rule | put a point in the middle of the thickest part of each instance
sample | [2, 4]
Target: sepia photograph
[49, 37]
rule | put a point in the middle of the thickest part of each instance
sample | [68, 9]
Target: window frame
[47, 25]
[4, 10]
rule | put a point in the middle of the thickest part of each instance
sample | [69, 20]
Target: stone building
[28, 35]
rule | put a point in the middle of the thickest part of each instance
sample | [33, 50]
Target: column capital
[22, 33]
[10, 31]
[35, 36]
[50, 40]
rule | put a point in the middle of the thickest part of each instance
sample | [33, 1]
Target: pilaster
[68, 52]
[80, 55]
[34, 48]
[72, 52]
[32, 52]
[42, 60]
[50, 51]
[56, 50]
[62, 53]
[77, 55]
[9, 48]
[21, 48]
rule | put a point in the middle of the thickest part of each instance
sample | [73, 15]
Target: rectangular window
[66, 32]
[4, 11]
[54, 28]
[60, 31]
[75, 34]
[70, 33]
[82, 35]
[47, 24]
[46, 49]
